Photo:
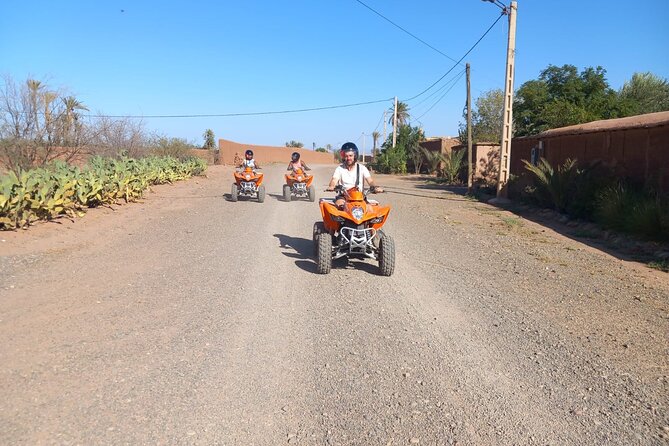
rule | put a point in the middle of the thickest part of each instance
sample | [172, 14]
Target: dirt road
[190, 319]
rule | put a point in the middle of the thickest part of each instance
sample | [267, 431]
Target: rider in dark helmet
[350, 174]
[249, 161]
[295, 163]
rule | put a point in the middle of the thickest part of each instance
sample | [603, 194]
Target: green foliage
[394, 160]
[59, 189]
[433, 159]
[453, 164]
[486, 118]
[562, 96]
[553, 185]
[177, 148]
[209, 140]
[626, 209]
[322, 150]
[293, 143]
[644, 93]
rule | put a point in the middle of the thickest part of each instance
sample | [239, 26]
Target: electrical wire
[221, 115]
[456, 64]
[437, 91]
[442, 97]
[412, 35]
[277, 112]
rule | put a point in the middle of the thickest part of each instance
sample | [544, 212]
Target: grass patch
[512, 222]
[661, 265]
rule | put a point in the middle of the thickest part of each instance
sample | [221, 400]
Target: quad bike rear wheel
[386, 255]
[286, 192]
[324, 253]
[233, 192]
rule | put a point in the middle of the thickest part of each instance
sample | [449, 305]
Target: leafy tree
[562, 96]
[293, 143]
[322, 150]
[209, 139]
[394, 159]
[175, 147]
[486, 118]
[644, 93]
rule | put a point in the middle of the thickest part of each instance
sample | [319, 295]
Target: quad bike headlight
[338, 219]
[376, 220]
[299, 178]
[248, 177]
[357, 212]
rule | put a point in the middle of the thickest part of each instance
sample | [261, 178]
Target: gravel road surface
[191, 319]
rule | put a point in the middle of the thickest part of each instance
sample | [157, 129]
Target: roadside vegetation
[55, 162]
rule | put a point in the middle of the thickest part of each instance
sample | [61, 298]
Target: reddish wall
[270, 154]
[641, 154]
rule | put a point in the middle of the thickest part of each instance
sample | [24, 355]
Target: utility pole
[470, 156]
[505, 148]
[395, 124]
[384, 126]
[363, 147]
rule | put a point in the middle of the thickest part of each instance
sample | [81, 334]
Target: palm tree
[71, 106]
[375, 137]
[402, 114]
[34, 88]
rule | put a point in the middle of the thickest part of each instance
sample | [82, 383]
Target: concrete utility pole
[384, 126]
[363, 146]
[470, 156]
[395, 124]
[505, 148]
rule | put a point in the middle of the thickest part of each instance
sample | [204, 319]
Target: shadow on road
[298, 248]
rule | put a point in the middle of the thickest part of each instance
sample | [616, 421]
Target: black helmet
[249, 154]
[348, 147]
[295, 156]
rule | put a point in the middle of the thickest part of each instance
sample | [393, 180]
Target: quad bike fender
[379, 214]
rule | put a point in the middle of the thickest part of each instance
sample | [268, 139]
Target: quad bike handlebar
[372, 190]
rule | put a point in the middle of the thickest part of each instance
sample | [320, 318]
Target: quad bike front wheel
[261, 194]
[386, 255]
[312, 193]
[324, 253]
[319, 228]
[286, 192]
[233, 192]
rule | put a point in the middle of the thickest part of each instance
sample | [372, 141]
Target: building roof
[639, 121]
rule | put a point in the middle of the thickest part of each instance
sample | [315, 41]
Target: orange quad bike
[353, 232]
[249, 183]
[298, 184]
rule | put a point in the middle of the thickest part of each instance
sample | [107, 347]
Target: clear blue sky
[194, 57]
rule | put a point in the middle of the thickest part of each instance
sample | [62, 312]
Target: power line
[440, 98]
[456, 64]
[221, 115]
[412, 35]
[446, 84]
[302, 110]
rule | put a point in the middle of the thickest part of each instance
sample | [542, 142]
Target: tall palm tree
[72, 105]
[402, 114]
[375, 137]
[34, 87]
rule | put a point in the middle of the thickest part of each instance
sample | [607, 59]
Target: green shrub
[632, 210]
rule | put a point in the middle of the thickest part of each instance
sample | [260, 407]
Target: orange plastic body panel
[354, 198]
[248, 175]
[298, 177]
